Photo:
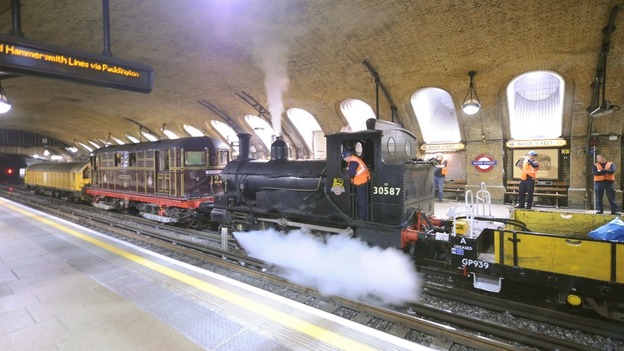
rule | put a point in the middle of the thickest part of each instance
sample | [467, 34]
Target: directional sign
[26, 57]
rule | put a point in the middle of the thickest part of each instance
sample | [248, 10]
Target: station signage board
[25, 57]
[442, 147]
[536, 143]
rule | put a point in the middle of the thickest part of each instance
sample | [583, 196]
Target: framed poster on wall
[548, 160]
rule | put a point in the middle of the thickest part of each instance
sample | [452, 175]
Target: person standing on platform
[360, 175]
[527, 180]
[439, 176]
[604, 177]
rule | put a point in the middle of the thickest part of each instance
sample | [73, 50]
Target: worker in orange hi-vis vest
[439, 176]
[360, 175]
[604, 177]
[527, 180]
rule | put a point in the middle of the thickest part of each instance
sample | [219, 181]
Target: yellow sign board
[536, 143]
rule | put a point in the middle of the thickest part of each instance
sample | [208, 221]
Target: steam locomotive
[318, 194]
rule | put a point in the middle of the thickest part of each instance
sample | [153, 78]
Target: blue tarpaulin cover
[612, 231]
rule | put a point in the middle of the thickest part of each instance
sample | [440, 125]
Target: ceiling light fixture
[5, 105]
[471, 101]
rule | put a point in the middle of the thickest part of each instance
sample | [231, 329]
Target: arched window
[356, 112]
[194, 132]
[118, 141]
[84, 146]
[149, 136]
[169, 134]
[536, 105]
[306, 125]
[132, 139]
[436, 115]
[226, 132]
[262, 128]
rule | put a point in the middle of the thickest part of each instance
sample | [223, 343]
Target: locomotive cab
[399, 186]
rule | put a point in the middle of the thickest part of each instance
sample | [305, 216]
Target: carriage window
[224, 157]
[132, 159]
[194, 158]
[162, 159]
[121, 159]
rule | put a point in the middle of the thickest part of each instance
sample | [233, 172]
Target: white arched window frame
[305, 123]
[356, 112]
[118, 141]
[262, 129]
[84, 146]
[149, 136]
[192, 131]
[226, 132]
[132, 139]
[436, 115]
[169, 134]
[536, 105]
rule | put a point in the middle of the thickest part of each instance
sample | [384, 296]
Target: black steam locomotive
[318, 194]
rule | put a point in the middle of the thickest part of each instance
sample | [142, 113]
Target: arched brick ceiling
[211, 50]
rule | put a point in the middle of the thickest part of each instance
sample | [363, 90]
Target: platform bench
[543, 188]
[457, 186]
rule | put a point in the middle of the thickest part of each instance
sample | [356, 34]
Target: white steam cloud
[274, 62]
[337, 265]
[272, 33]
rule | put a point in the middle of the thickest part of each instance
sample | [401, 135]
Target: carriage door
[162, 172]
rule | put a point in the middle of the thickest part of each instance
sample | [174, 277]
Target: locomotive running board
[283, 222]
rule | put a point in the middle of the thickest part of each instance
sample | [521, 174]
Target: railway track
[419, 323]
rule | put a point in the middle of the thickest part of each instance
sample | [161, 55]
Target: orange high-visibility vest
[528, 170]
[362, 175]
[600, 177]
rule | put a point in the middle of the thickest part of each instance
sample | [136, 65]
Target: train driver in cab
[360, 175]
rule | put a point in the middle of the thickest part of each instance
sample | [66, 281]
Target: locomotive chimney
[370, 123]
[279, 151]
[243, 145]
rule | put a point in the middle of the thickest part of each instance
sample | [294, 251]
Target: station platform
[66, 287]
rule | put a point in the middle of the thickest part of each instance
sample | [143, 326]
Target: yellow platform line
[274, 315]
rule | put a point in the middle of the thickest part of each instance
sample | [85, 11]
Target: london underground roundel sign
[484, 163]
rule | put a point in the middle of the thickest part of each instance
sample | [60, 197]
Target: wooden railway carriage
[167, 180]
[63, 180]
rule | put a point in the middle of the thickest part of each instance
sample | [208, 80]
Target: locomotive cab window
[195, 158]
